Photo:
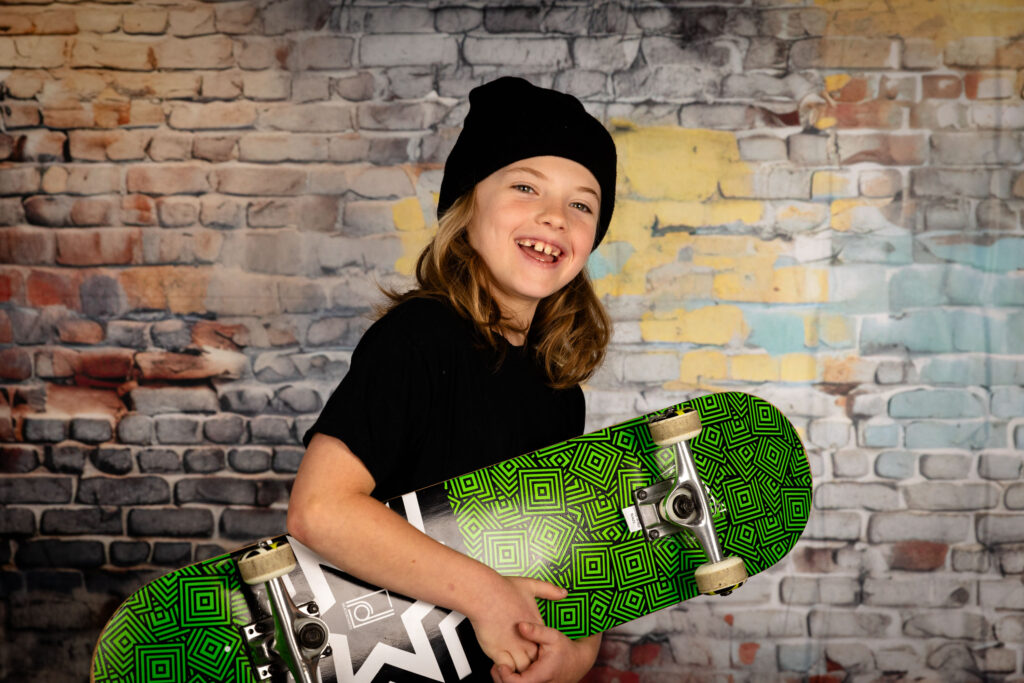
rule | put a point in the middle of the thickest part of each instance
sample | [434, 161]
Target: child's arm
[332, 512]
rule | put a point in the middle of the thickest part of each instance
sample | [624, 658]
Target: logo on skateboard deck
[368, 609]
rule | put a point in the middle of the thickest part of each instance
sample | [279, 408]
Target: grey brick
[206, 551]
[123, 491]
[812, 150]
[399, 116]
[177, 429]
[66, 458]
[91, 430]
[31, 489]
[102, 297]
[934, 592]
[852, 657]
[17, 522]
[804, 590]
[838, 624]
[247, 401]
[18, 459]
[976, 147]
[801, 657]
[965, 434]
[135, 429]
[951, 182]
[606, 54]
[271, 491]
[765, 623]
[159, 461]
[45, 429]
[271, 429]
[850, 464]
[762, 148]
[409, 49]
[54, 553]
[113, 460]
[249, 460]
[891, 527]
[215, 490]
[156, 400]
[833, 526]
[1004, 594]
[172, 554]
[129, 553]
[937, 403]
[170, 522]
[204, 460]
[286, 460]
[953, 496]
[297, 399]
[251, 525]
[994, 529]
[970, 558]
[226, 429]
[949, 624]
[457, 19]
[78, 521]
[128, 334]
[1015, 497]
[546, 53]
[173, 334]
[856, 496]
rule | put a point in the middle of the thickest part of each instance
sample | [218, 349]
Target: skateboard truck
[668, 507]
[294, 633]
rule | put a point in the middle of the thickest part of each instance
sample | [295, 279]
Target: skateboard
[629, 519]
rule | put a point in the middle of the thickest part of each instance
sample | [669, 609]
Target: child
[479, 363]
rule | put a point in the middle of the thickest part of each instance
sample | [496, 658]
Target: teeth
[541, 247]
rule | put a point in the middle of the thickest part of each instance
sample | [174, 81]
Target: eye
[523, 187]
[582, 207]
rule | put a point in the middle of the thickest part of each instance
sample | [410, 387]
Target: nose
[553, 214]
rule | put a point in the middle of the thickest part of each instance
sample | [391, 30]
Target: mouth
[544, 252]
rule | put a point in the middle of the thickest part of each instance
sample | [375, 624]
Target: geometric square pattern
[556, 514]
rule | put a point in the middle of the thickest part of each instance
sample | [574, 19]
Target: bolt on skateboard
[630, 519]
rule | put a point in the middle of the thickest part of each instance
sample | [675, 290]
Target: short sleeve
[374, 409]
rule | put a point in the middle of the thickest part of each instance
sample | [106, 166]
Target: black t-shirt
[422, 402]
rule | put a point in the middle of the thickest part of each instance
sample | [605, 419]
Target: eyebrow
[535, 172]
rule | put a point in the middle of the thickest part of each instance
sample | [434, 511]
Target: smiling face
[534, 225]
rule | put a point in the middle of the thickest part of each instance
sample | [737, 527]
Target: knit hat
[511, 119]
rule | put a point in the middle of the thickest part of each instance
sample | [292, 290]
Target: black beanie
[511, 119]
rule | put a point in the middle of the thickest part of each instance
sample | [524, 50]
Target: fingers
[548, 591]
[538, 633]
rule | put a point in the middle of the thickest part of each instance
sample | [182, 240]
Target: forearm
[363, 537]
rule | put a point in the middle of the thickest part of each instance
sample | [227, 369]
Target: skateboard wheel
[679, 427]
[263, 564]
[721, 578]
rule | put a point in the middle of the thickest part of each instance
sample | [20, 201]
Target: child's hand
[559, 659]
[495, 622]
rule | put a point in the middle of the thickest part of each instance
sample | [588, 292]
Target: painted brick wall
[819, 202]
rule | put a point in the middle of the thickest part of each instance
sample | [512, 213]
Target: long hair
[570, 329]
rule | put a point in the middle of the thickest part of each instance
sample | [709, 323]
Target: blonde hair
[570, 328]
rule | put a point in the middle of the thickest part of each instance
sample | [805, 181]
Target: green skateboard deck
[564, 514]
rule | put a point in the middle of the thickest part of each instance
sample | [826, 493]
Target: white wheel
[263, 564]
[672, 430]
[721, 578]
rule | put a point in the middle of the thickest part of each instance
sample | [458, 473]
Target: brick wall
[819, 202]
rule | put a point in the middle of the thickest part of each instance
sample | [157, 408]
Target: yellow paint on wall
[408, 214]
[413, 242]
[836, 330]
[847, 213]
[942, 22]
[829, 184]
[715, 325]
[791, 285]
[754, 368]
[698, 367]
[798, 367]
[835, 82]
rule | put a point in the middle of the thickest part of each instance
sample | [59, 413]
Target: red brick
[104, 246]
[6, 331]
[56, 362]
[180, 366]
[940, 87]
[92, 211]
[175, 288]
[46, 288]
[71, 401]
[111, 114]
[138, 209]
[607, 674]
[990, 84]
[15, 364]
[883, 148]
[12, 285]
[855, 90]
[216, 335]
[77, 331]
[48, 210]
[918, 556]
[26, 246]
[185, 178]
[643, 654]
[107, 364]
[872, 114]
[748, 652]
